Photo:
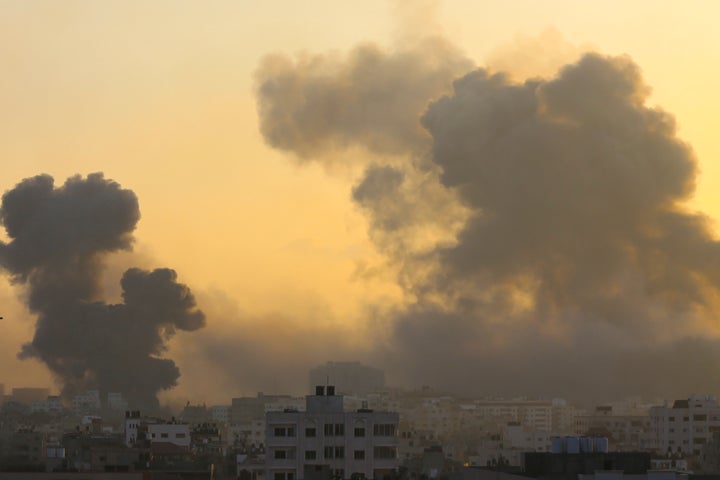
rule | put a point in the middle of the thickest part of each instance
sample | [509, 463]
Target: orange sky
[159, 96]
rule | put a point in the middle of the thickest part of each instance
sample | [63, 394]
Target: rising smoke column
[575, 268]
[58, 240]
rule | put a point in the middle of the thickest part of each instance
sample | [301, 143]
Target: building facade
[324, 441]
[686, 426]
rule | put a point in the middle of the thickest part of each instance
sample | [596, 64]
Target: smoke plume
[371, 99]
[59, 238]
[557, 255]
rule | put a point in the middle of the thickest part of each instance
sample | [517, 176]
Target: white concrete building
[175, 433]
[686, 426]
[326, 440]
[132, 427]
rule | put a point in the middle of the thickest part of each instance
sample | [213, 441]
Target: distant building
[133, 431]
[27, 395]
[195, 414]
[626, 432]
[175, 433]
[248, 436]
[686, 426]
[349, 378]
[326, 442]
[247, 409]
[52, 404]
[152, 431]
[220, 414]
[116, 402]
[86, 402]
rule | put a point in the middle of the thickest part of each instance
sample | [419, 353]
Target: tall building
[349, 378]
[686, 426]
[324, 441]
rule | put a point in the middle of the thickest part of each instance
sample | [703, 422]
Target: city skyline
[296, 167]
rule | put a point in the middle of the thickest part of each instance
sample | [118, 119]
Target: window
[310, 432]
[339, 452]
[384, 452]
[699, 418]
[359, 455]
[328, 452]
[179, 435]
[359, 432]
[284, 431]
[310, 455]
[163, 435]
[334, 429]
[384, 430]
[280, 454]
[284, 476]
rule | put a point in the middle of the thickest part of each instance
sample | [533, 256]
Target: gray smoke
[372, 98]
[564, 261]
[58, 240]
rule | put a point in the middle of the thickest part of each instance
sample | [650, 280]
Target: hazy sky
[160, 97]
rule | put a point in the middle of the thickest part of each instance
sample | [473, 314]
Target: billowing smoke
[59, 238]
[371, 98]
[557, 256]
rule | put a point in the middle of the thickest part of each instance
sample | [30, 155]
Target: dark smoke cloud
[372, 98]
[59, 238]
[563, 262]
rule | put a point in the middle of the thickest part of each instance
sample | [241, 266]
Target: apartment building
[326, 441]
[686, 426]
[626, 432]
[535, 414]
